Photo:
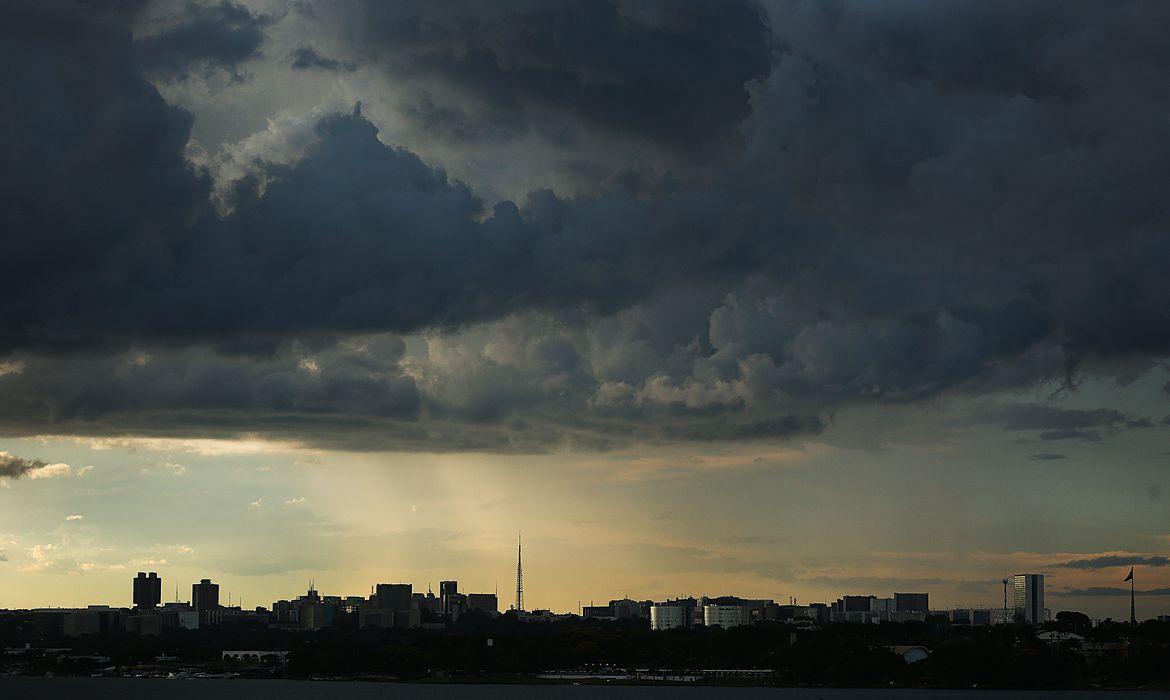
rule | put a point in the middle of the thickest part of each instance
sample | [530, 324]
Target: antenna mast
[1005, 607]
[519, 574]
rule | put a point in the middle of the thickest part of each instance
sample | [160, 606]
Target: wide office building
[727, 616]
[484, 602]
[668, 617]
[1029, 597]
[394, 596]
[912, 602]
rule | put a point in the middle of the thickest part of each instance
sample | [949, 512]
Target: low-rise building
[911, 654]
[727, 616]
[484, 602]
[664, 616]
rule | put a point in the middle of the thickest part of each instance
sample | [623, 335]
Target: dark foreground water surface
[197, 689]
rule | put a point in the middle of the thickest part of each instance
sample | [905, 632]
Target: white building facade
[726, 616]
[667, 617]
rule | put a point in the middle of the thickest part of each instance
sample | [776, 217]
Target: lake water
[20, 688]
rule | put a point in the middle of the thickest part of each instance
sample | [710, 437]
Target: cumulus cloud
[49, 471]
[14, 467]
[73, 518]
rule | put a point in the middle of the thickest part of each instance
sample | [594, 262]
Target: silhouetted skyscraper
[452, 603]
[1029, 597]
[147, 590]
[205, 600]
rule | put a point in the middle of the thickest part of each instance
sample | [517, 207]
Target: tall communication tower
[519, 574]
[1005, 607]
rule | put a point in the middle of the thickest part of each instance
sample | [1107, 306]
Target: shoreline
[590, 682]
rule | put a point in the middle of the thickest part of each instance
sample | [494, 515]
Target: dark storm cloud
[14, 467]
[354, 236]
[307, 58]
[1059, 423]
[1071, 434]
[346, 379]
[1115, 560]
[664, 72]
[915, 209]
[94, 175]
[1046, 456]
[207, 37]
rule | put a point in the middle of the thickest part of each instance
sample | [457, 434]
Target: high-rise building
[1029, 597]
[147, 590]
[205, 600]
[450, 601]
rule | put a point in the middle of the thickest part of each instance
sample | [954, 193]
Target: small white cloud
[309, 365]
[50, 471]
[150, 562]
[11, 367]
[295, 501]
[166, 467]
[414, 508]
[74, 517]
[82, 471]
[257, 503]
[40, 556]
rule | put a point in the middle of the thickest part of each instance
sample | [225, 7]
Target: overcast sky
[782, 299]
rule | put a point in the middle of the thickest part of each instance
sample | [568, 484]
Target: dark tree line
[481, 648]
